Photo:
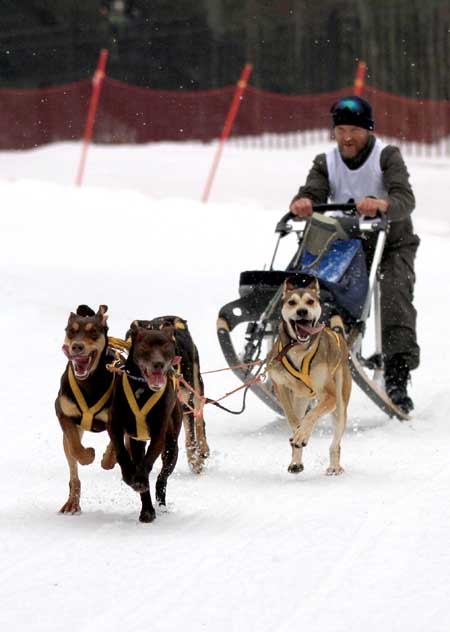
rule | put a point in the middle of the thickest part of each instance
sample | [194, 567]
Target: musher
[363, 169]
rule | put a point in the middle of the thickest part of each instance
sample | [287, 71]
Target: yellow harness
[117, 344]
[87, 413]
[140, 414]
[303, 373]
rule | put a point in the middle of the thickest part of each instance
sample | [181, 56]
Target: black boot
[396, 377]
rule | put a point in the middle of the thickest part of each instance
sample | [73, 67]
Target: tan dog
[309, 362]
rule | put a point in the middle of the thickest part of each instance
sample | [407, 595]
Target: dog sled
[328, 248]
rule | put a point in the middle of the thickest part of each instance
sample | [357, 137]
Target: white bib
[346, 184]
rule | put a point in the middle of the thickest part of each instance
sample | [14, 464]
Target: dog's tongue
[156, 380]
[81, 364]
[305, 329]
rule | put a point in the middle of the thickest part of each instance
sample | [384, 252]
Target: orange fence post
[359, 78]
[240, 88]
[97, 82]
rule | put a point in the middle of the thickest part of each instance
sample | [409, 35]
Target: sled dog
[146, 410]
[197, 448]
[309, 362]
[85, 393]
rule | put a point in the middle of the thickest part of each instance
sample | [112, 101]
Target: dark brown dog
[197, 449]
[85, 393]
[145, 408]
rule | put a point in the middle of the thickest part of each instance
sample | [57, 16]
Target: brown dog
[309, 362]
[146, 409]
[85, 393]
[197, 448]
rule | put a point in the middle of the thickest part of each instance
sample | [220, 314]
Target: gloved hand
[301, 207]
[369, 206]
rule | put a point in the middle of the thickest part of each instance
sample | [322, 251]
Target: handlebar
[351, 222]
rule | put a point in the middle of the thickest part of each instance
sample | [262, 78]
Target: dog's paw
[295, 468]
[196, 463]
[87, 456]
[147, 515]
[140, 484]
[107, 464]
[299, 439]
[108, 460]
[71, 507]
[334, 471]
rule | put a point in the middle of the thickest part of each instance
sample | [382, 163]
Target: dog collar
[140, 414]
[87, 413]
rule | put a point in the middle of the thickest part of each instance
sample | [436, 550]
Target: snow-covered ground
[244, 547]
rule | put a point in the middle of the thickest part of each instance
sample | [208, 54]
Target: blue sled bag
[343, 271]
[339, 263]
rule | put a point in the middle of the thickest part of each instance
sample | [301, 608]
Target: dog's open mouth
[81, 364]
[304, 329]
[156, 380]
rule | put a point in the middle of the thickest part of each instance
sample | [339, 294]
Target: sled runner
[329, 248]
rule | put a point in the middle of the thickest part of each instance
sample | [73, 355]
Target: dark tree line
[296, 46]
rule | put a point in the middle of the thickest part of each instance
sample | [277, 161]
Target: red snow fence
[129, 114]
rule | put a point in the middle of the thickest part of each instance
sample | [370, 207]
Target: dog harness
[303, 373]
[87, 413]
[140, 414]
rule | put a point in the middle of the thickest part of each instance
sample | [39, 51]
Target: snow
[245, 546]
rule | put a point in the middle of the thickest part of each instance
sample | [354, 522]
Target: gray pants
[398, 314]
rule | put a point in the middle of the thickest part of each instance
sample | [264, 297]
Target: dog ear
[101, 314]
[139, 334]
[132, 330]
[288, 286]
[314, 285]
[85, 310]
[72, 316]
[169, 330]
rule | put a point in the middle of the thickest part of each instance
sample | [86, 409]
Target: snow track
[245, 546]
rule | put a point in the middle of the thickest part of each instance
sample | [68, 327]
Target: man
[374, 175]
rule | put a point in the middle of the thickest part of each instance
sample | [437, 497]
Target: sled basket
[336, 260]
